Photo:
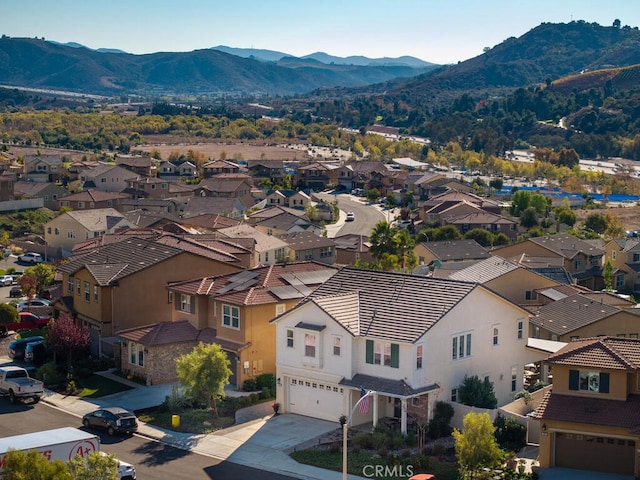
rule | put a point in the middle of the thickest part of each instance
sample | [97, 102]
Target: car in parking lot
[24, 305]
[112, 419]
[30, 257]
[6, 280]
[18, 347]
[350, 217]
[15, 292]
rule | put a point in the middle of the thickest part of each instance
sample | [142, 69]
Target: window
[495, 336]
[418, 357]
[309, 345]
[308, 254]
[95, 292]
[383, 353]
[49, 230]
[230, 316]
[613, 254]
[280, 309]
[70, 285]
[80, 205]
[577, 263]
[185, 303]
[87, 292]
[530, 295]
[415, 401]
[461, 346]
[71, 234]
[169, 297]
[454, 395]
[636, 257]
[337, 344]
[136, 354]
[290, 338]
[588, 381]
[520, 329]
[514, 378]
[619, 282]
[326, 252]
[78, 286]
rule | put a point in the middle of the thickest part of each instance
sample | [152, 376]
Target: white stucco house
[410, 339]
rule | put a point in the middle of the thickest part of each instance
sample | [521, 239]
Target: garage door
[315, 399]
[586, 452]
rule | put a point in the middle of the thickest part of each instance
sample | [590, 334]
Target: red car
[28, 321]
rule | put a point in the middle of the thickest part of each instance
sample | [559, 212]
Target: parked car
[350, 217]
[26, 321]
[113, 419]
[30, 257]
[16, 276]
[15, 292]
[24, 305]
[6, 280]
[18, 347]
[37, 352]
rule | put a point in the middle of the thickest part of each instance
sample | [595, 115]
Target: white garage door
[315, 399]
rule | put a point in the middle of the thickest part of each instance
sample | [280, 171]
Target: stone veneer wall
[160, 366]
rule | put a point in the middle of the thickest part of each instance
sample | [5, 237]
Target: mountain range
[545, 53]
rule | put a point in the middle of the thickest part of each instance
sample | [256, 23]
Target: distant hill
[35, 63]
[79, 45]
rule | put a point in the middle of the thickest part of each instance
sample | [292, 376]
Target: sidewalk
[259, 439]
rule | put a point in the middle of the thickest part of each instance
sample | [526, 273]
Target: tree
[520, 201]
[607, 275]
[480, 235]
[44, 274]
[565, 215]
[596, 223]
[477, 393]
[382, 239]
[204, 373]
[32, 465]
[95, 467]
[311, 212]
[8, 314]
[496, 184]
[529, 218]
[373, 194]
[67, 339]
[476, 445]
[28, 283]
[404, 250]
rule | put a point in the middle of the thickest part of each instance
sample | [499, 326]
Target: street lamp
[345, 427]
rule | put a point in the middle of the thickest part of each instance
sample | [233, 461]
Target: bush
[439, 425]
[363, 441]
[250, 385]
[266, 380]
[50, 375]
[510, 435]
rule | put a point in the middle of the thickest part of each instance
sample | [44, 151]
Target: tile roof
[570, 313]
[530, 261]
[614, 353]
[98, 219]
[566, 245]
[557, 274]
[486, 270]
[591, 411]
[398, 388]
[457, 250]
[352, 241]
[263, 241]
[390, 305]
[306, 240]
[478, 219]
[94, 195]
[267, 284]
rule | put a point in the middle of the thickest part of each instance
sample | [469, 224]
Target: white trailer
[60, 443]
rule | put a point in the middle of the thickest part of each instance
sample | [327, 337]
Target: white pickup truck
[16, 382]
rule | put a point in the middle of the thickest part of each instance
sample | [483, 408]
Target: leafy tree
[510, 435]
[67, 339]
[565, 215]
[95, 467]
[607, 275]
[539, 202]
[373, 194]
[501, 239]
[440, 424]
[529, 218]
[480, 235]
[32, 465]
[204, 373]
[477, 393]
[44, 274]
[496, 184]
[476, 445]
[28, 283]
[520, 201]
[8, 313]
[311, 212]
[404, 250]
[439, 234]
[596, 223]
[382, 239]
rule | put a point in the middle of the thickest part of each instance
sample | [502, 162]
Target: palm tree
[404, 250]
[383, 239]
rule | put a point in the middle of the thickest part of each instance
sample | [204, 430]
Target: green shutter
[369, 354]
[395, 355]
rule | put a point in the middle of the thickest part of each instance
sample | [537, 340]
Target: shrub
[363, 440]
[439, 425]
[250, 385]
[510, 435]
[383, 452]
[334, 447]
[266, 380]
[50, 375]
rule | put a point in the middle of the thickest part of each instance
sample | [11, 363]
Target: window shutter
[395, 355]
[604, 382]
[574, 379]
[192, 304]
[369, 354]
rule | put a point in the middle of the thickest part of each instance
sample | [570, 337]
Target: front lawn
[96, 386]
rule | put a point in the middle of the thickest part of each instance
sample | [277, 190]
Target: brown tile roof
[614, 353]
[264, 285]
[388, 305]
[457, 250]
[591, 411]
[306, 240]
[568, 314]
[478, 219]
[566, 245]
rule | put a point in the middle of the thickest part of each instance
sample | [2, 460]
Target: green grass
[193, 420]
[97, 386]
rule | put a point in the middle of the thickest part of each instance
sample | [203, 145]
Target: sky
[437, 31]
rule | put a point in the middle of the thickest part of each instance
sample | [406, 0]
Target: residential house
[173, 206]
[91, 198]
[195, 206]
[590, 420]
[267, 249]
[624, 255]
[210, 221]
[64, 231]
[174, 171]
[580, 316]
[233, 310]
[582, 260]
[366, 174]
[513, 282]
[456, 196]
[409, 339]
[156, 188]
[215, 167]
[287, 223]
[122, 285]
[106, 177]
[142, 165]
[307, 246]
[272, 212]
[7, 186]
[271, 170]
[487, 221]
[224, 185]
[316, 176]
[50, 193]
[352, 248]
[42, 168]
[549, 295]
[288, 198]
[438, 253]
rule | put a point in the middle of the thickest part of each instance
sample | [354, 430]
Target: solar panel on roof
[246, 284]
[286, 292]
[237, 282]
[244, 275]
